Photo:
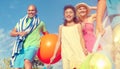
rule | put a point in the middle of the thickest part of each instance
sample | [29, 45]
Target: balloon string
[99, 36]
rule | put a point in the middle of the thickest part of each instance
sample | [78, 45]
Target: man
[113, 11]
[27, 31]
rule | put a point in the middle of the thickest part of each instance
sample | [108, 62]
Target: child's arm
[93, 8]
[93, 15]
[57, 44]
[82, 39]
[92, 18]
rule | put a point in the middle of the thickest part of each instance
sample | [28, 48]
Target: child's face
[81, 11]
[69, 14]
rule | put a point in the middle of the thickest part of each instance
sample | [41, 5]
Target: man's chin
[30, 16]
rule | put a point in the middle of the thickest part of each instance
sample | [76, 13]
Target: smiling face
[69, 14]
[31, 11]
[82, 11]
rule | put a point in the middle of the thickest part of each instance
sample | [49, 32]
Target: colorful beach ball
[47, 48]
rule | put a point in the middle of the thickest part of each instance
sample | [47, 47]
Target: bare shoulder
[60, 27]
[79, 25]
[93, 15]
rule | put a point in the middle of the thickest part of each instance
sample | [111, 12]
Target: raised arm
[101, 7]
[93, 8]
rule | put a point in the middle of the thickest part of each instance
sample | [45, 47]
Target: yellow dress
[72, 52]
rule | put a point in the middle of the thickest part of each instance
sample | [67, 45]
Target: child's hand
[48, 66]
[85, 51]
[52, 58]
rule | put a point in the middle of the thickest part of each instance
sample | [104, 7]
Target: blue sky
[49, 11]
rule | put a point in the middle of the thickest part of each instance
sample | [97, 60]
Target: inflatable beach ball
[47, 48]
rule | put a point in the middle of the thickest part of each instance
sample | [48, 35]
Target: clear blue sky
[50, 11]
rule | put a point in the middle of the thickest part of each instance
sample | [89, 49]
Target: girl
[70, 37]
[82, 11]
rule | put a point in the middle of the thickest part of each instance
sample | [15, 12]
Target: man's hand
[22, 33]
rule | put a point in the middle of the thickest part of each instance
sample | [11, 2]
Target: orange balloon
[47, 47]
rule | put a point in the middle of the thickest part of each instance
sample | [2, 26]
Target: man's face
[31, 11]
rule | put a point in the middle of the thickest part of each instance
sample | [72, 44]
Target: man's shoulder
[42, 22]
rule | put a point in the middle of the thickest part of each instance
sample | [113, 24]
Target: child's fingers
[51, 60]
[48, 66]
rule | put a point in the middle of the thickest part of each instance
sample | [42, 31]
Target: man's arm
[44, 30]
[14, 33]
